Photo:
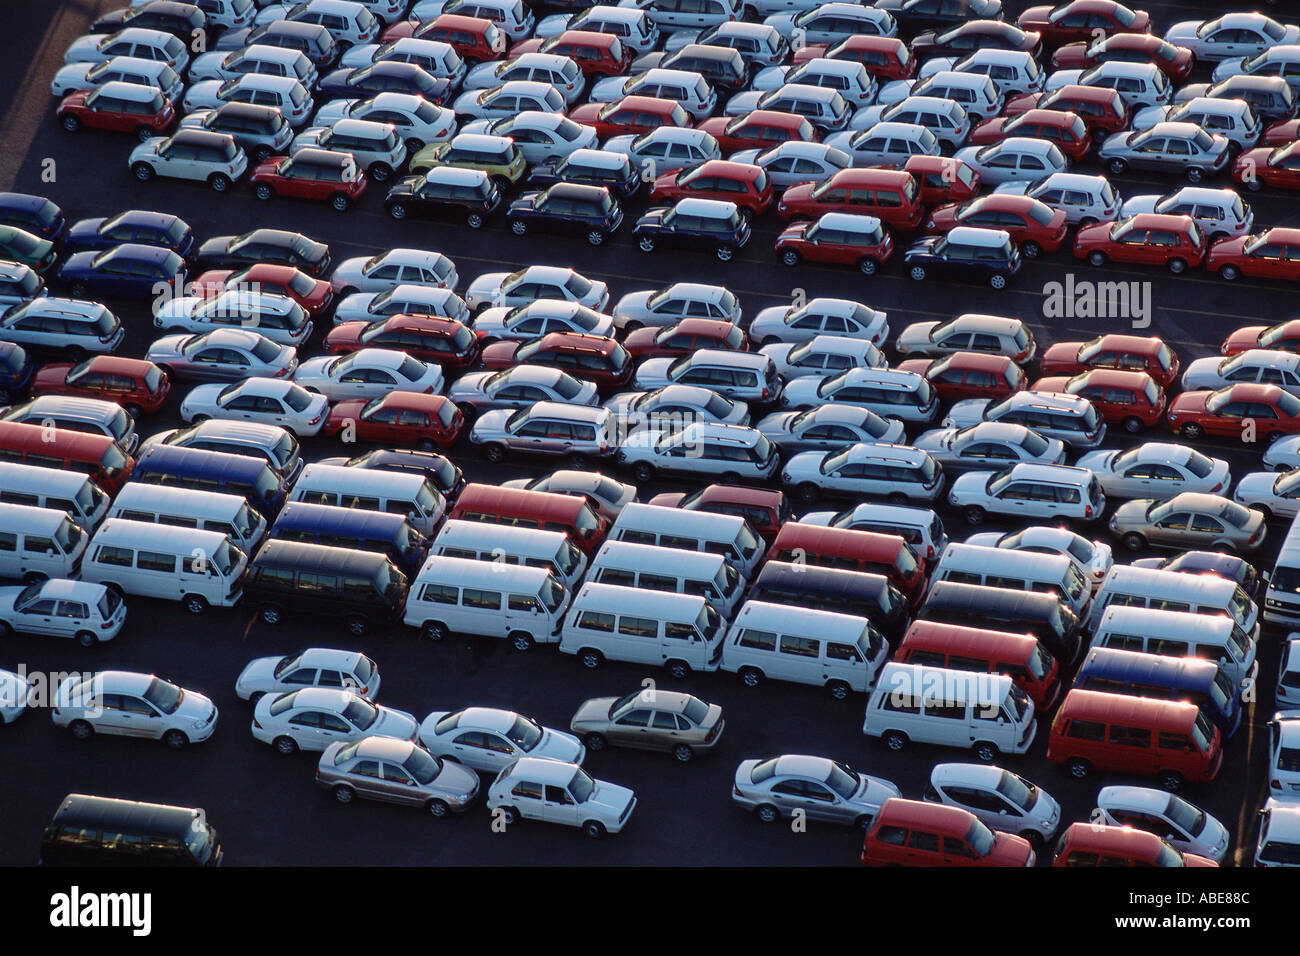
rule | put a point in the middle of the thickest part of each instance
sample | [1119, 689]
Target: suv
[592, 357]
[546, 428]
[743, 376]
[1028, 491]
[887, 392]
[1072, 419]
[710, 449]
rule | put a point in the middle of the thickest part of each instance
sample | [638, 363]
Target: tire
[379, 172]
[133, 410]
[196, 603]
[340, 202]
[591, 658]
[1229, 272]
[397, 210]
[414, 145]
[839, 690]
[767, 813]
[895, 740]
[344, 794]
[1171, 780]
[985, 752]
[518, 227]
[791, 258]
[1097, 258]
[1254, 185]
[271, 614]
[143, 172]
[1031, 249]
[522, 640]
[594, 829]
[643, 471]
[868, 266]
[426, 444]
[646, 244]
[751, 676]
[510, 815]
[1132, 425]
[917, 273]
[1265, 511]
[808, 492]
[678, 670]
[578, 461]
[84, 638]
[175, 739]
[632, 327]
[1194, 174]
[595, 238]
[724, 253]
[357, 625]
[974, 515]
[197, 419]
[434, 631]
[594, 741]
[1177, 266]
[1191, 430]
[219, 182]
[1087, 221]
[262, 154]
[263, 191]
[683, 752]
[285, 745]
[474, 220]
[255, 697]
[437, 808]
[1117, 166]
[71, 123]
[1134, 541]
[1078, 767]
[1033, 838]
[81, 730]
[998, 281]
[495, 452]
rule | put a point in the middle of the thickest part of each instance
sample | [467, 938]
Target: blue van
[838, 590]
[387, 534]
[177, 467]
[1137, 674]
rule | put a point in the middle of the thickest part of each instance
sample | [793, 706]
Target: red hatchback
[631, 114]
[1033, 224]
[684, 337]
[119, 107]
[917, 833]
[1276, 166]
[311, 174]
[1272, 412]
[964, 375]
[837, 238]
[590, 357]
[744, 184]
[1131, 399]
[1083, 20]
[764, 509]
[1175, 61]
[761, 129]
[1132, 352]
[1271, 254]
[1284, 337]
[1148, 238]
[1101, 108]
[597, 54]
[943, 179]
[891, 195]
[136, 385]
[1067, 130]
[448, 342]
[886, 58]
[398, 418]
[314, 295]
[476, 39]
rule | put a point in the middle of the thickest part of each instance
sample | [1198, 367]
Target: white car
[1092, 559]
[819, 316]
[1156, 470]
[124, 69]
[675, 406]
[1220, 213]
[375, 147]
[1085, 199]
[560, 72]
[144, 44]
[538, 318]
[829, 428]
[315, 717]
[15, 694]
[1013, 72]
[886, 144]
[822, 788]
[1284, 756]
[535, 282]
[223, 354]
[687, 87]
[1279, 834]
[133, 705]
[314, 667]
[368, 373]
[509, 99]
[1276, 495]
[393, 267]
[270, 401]
[607, 496]
[796, 161]
[731, 453]
[285, 93]
[832, 22]
[970, 332]
[512, 17]
[519, 386]
[275, 317]
[850, 79]
[1262, 366]
[418, 121]
[1014, 159]
[1231, 36]
[664, 149]
[1028, 491]
[488, 740]
[194, 154]
[990, 445]
[1233, 119]
[681, 300]
[58, 607]
[557, 791]
[404, 299]
[897, 473]
[435, 57]
[1283, 454]
[823, 355]
[1184, 826]
[539, 136]
[998, 798]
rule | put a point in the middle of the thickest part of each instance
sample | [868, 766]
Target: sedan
[392, 267]
[1276, 166]
[675, 406]
[1156, 470]
[401, 418]
[1092, 559]
[134, 225]
[270, 401]
[971, 332]
[684, 337]
[539, 136]
[489, 740]
[133, 705]
[667, 721]
[821, 788]
[795, 162]
[1273, 495]
[823, 355]
[1181, 148]
[1034, 225]
[989, 446]
[828, 428]
[56, 607]
[1267, 366]
[222, 355]
[315, 717]
[1185, 827]
[1231, 36]
[275, 246]
[447, 342]
[1190, 520]
[314, 667]
[519, 387]
[368, 373]
[535, 282]
[605, 495]
[405, 299]
[395, 771]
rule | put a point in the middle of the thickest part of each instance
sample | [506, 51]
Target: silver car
[547, 428]
[828, 428]
[396, 771]
[998, 798]
[489, 740]
[223, 355]
[795, 162]
[990, 446]
[1187, 521]
[886, 144]
[1167, 148]
[605, 495]
[518, 387]
[822, 788]
[678, 405]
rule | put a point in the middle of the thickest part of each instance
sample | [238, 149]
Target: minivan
[1018, 570]
[860, 593]
[1020, 656]
[1175, 591]
[179, 507]
[680, 632]
[103, 831]
[1044, 616]
[97, 456]
[653, 568]
[532, 547]
[361, 530]
[411, 495]
[38, 543]
[841, 652]
[195, 468]
[524, 605]
[52, 488]
[727, 535]
[1164, 677]
[521, 508]
[886, 554]
[987, 713]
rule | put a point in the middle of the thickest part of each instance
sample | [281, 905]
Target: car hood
[193, 707]
[1189, 402]
[7, 597]
[85, 229]
[180, 308]
[653, 370]
[557, 745]
[72, 74]
[936, 439]
[805, 463]
[621, 404]
[916, 335]
[204, 394]
[493, 421]
[359, 56]
[1131, 513]
[467, 385]
[394, 723]
[633, 304]
[777, 351]
[315, 367]
[258, 673]
[168, 346]
[485, 285]
[1098, 461]
[873, 791]
[1202, 373]
[609, 798]
[1138, 204]
[1182, 31]
[968, 411]
[50, 376]
[923, 246]
[1257, 484]
[775, 423]
[455, 778]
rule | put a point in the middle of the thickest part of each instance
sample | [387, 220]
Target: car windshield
[581, 786]
[524, 733]
[422, 765]
[842, 780]
[361, 713]
[164, 695]
[1016, 790]
[980, 838]
[1189, 819]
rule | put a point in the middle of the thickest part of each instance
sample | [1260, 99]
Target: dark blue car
[967, 252]
[16, 370]
[567, 208]
[35, 214]
[386, 76]
[135, 225]
[694, 224]
[129, 271]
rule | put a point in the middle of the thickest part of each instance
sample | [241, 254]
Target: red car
[1036, 226]
[917, 833]
[762, 129]
[1101, 108]
[1082, 20]
[685, 336]
[1283, 337]
[1224, 412]
[964, 375]
[401, 418]
[311, 174]
[744, 184]
[838, 238]
[136, 385]
[448, 342]
[119, 107]
[1175, 61]
[1281, 133]
[886, 58]
[1132, 352]
[597, 54]
[1271, 254]
[1131, 399]
[943, 179]
[590, 357]
[314, 295]
[891, 195]
[765, 510]
[1067, 130]
[476, 39]
[1277, 166]
[1148, 238]
[631, 114]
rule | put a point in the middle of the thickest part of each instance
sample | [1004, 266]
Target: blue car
[135, 225]
[589, 167]
[969, 253]
[34, 214]
[16, 370]
[386, 76]
[130, 271]
[567, 208]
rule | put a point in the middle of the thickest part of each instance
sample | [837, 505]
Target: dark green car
[21, 246]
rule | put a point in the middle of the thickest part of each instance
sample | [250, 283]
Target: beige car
[650, 719]
[1188, 521]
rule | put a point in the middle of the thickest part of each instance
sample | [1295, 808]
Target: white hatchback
[559, 792]
[58, 607]
[130, 704]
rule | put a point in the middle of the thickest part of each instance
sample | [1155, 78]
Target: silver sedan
[821, 788]
[989, 446]
[223, 355]
[1167, 148]
[395, 771]
[828, 428]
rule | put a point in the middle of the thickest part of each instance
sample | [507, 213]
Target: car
[1074, 420]
[57, 607]
[760, 126]
[961, 375]
[118, 107]
[1175, 242]
[276, 317]
[1271, 254]
[35, 214]
[886, 143]
[1226, 116]
[435, 56]
[821, 315]
[827, 108]
[445, 342]
[567, 208]
[403, 299]
[535, 282]
[561, 72]
[982, 34]
[1270, 493]
[192, 154]
[683, 337]
[1086, 200]
[445, 192]
[1142, 85]
[675, 406]
[1175, 61]
[19, 245]
[1014, 159]
[1283, 337]
[680, 724]
[593, 357]
[1092, 559]
[488, 740]
[404, 418]
[588, 167]
[395, 771]
[131, 704]
[1279, 60]
[497, 156]
[140, 387]
[1283, 454]
[1235, 569]
[1130, 399]
[839, 238]
[1182, 825]
[1266, 366]
[313, 718]
[178, 19]
[694, 223]
[1028, 491]
[261, 131]
[560, 792]
[990, 334]
[665, 148]
[539, 136]
[222, 355]
[631, 115]
[579, 432]
[744, 184]
[518, 386]
[1234, 412]
[998, 798]
[1035, 226]
[368, 373]
[268, 246]
[1064, 128]
[1275, 166]
[765, 510]
[16, 370]
[446, 477]
[823, 789]
[391, 267]
[224, 65]
[270, 401]
[135, 225]
[605, 495]
[313, 667]
[828, 428]
[509, 99]
[384, 76]
[473, 38]
[989, 445]
[906, 395]
[19, 283]
[823, 355]
[72, 77]
[94, 416]
[795, 162]
[731, 452]
[313, 295]
[967, 252]
[1220, 213]
[1082, 20]
[1188, 520]
[745, 376]
[1156, 470]
[419, 122]
[127, 270]
[375, 147]
[81, 328]
[660, 307]
[1232, 35]
[898, 473]
[1149, 354]
[758, 44]
[1166, 147]
[311, 173]
[831, 22]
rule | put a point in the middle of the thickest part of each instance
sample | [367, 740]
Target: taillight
[256, 724]
[765, 392]
[1216, 487]
[1087, 511]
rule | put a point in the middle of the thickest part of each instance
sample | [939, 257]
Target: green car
[495, 155]
[22, 246]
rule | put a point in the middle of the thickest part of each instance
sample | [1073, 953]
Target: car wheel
[808, 492]
[285, 745]
[678, 670]
[591, 658]
[495, 452]
[1117, 166]
[839, 690]
[357, 625]
[510, 815]
[985, 751]
[594, 741]
[34, 577]
[998, 281]
[175, 739]
[518, 227]
[196, 603]
[767, 813]
[1134, 541]
[594, 829]
[646, 244]
[1078, 767]
[219, 182]
[595, 237]
[1265, 510]
[344, 794]
[1171, 780]
[255, 697]
[1194, 174]
[791, 258]
[1097, 258]
[578, 461]
[340, 202]
[197, 419]
[84, 638]
[631, 327]
[522, 640]
[434, 631]
[81, 730]
[143, 172]
[1177, 266]
[263, 191]
[397, 210]
[683, 752]
[379, 172]
[643, 471]
[895, 740]
[1031, 249]
[71, 123]
[1254, 184]
[474, 220]
[1191, 430]
[1132, 425]
[1087, 221]
[262, 154]
[724, 253]
[1033, 838]
[868, 266]
[271, 614]
[974, 515]
[414, 145]
[917, 273]
[1229, 272]
[751, 676]
[437, 808]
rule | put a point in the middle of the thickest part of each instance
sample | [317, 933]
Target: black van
[359, 586]
[834, 589]
[1002, 609]
[104, 831]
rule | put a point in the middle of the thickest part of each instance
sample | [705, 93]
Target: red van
[891, 195]
[532, 509]
[1019, 656]
[914, 833]
[98, 456]
[1095, 844]
[886, 554]
[1171, 740]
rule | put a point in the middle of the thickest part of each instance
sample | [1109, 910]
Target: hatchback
[1174, 242]
[133, 705]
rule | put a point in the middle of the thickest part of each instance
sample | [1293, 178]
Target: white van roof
[340, 478]
[445, 570]
[919, 680]
[16, 476]
[806, 622]
[169, 499]
[512, 540]
[146, 534]
[621, 600]
[1133, 580]
[1155, 622]
[31, 518]
[658, 517]
[699, 564]
[1031, 563]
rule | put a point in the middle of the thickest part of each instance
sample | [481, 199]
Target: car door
[631, 729]
[471, 748]
[1017, 498]
[40, 617]
[558, 806]
[366, 779]
[304, 727]
[138, 718]
[399, 786]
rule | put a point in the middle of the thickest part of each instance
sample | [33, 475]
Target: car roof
[231, 338]
[993, 323]
[706, 208]
[840, 412]
[872, 451]
[597, 158]
[1134, 798]
[803, 765]
[326, 698]
[595, 415]
[486, 718]
[977, 236]
[984, 776]
[850, 222]
[73, 590]
[542, 770]
[135, 92]
[1000, 431]
[484, 141]
[456, 175]
[1037, 472]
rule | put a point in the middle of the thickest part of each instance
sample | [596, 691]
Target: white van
[199, 568]
[533, 547]
[727, 535]
[681, 632]
[38, 543]
[841, 652]
[1018, 570]
[402, 493]
[191, 508]
[53, 488]
[490, 598]
[1210, 594]
[668, 569]
[1181, 634]
[987, 713]
[1282, 599]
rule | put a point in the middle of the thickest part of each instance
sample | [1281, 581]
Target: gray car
[1167, 148]
[518, 387]
[828, 428]
[650, 720]
[396, 771]
[678, 405]
[547, 428]
[223, 355]
[990, 446]
[1191, 520]
[823, 789]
